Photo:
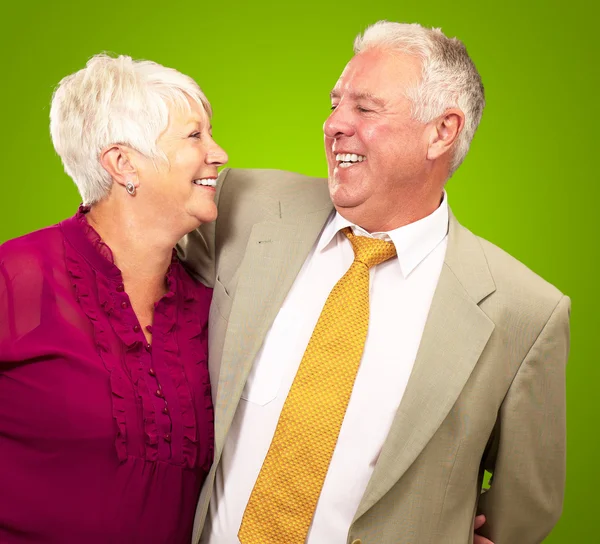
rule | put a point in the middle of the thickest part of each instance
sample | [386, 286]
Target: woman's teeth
[207, 182]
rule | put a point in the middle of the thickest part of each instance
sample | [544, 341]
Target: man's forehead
[377, 75]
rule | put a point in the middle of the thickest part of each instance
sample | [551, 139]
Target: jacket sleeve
[525, 498]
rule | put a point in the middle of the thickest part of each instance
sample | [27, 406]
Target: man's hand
[478, 539]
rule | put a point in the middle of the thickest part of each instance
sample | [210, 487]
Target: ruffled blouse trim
[118, 379]
[194, 301]
[93, 236]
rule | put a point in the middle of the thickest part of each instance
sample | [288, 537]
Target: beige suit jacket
[487, 390]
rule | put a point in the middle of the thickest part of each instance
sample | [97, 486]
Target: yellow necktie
[284, 498]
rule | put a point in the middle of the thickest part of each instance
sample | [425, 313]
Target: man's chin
[344, 194]
[350, 209]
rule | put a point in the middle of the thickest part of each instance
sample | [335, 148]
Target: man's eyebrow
[360, 96]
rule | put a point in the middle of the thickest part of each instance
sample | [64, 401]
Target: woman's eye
[333, 106]
[196, 135]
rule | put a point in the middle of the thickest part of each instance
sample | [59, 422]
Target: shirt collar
[413, 241]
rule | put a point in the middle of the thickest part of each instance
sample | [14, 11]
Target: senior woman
[106, 422]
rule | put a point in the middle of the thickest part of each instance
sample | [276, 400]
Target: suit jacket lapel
[455, 334]
[274, 255]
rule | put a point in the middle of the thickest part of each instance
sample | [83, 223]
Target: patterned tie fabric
[284, 498]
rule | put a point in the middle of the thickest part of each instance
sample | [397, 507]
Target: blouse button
[120, 288]
[136, 328]
[148, 347]
[159, 393]
[165, 410]
[167, 437]
[152, 372]
[124, 304]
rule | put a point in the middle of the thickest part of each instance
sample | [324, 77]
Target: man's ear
[117, 161]
[444, 132]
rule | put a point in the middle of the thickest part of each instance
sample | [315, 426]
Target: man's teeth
[208, 182]
[348, 158]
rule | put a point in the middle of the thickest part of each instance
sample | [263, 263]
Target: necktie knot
[370, 251]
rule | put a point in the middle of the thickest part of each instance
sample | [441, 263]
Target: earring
[130, 188]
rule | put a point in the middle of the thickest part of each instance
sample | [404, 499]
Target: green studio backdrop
[527, 184]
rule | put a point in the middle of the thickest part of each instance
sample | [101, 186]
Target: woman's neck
[141, 253]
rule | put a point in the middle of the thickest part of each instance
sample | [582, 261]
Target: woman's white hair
[449, 77]
[110, 101]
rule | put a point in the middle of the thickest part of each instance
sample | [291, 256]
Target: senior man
[370, 356]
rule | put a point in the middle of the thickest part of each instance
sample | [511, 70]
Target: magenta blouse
[103, 437]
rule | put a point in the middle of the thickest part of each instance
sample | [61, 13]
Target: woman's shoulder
[25, 261]
[34, 247]
[29, 266]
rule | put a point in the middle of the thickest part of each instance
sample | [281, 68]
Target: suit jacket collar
[454, 337]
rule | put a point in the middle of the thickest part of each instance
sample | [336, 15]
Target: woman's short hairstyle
[110, 101]
[449, 77]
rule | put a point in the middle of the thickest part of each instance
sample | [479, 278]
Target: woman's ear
[117, 161]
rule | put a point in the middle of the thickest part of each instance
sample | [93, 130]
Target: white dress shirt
[401, 291]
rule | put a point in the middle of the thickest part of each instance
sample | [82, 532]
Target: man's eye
[333, 106]
[363, 110]
[195, 135]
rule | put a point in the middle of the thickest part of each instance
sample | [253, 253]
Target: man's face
[375, 151]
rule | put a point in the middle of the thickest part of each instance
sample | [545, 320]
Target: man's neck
[403, 211]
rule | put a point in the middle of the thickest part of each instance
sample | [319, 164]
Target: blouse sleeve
[21, 296]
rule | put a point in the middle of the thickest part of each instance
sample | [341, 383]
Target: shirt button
[124, 304]
[152, 372]
[167, 437]
[136, 328]
[159, 393]
[120, 288]
[165, 410]
[148, 347]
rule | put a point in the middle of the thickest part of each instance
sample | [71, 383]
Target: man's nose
[338, 123]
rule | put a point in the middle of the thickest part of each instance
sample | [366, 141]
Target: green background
[527, 185]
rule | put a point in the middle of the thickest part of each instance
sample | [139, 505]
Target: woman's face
[182, 191]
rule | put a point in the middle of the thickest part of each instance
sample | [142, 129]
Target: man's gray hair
[449, 77]
[110, 101]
